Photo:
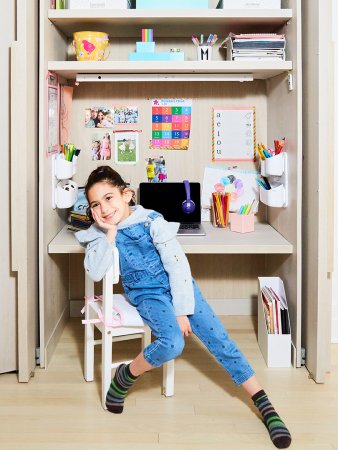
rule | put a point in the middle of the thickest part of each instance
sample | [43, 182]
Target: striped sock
[279, 434]
[122, 381]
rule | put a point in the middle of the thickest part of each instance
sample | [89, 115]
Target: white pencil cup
[204, 52]
[64, 169]
[65, 194]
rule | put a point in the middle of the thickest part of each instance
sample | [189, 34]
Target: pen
[266, 181]
[260, 182]
[195, 40]
[210, 39]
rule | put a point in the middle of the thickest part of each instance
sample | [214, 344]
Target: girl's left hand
[184, 324]
[110, 228]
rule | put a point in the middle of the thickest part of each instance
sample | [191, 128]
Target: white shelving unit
[275, 246]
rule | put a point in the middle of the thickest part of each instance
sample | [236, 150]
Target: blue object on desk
[145, 47]
[171, 4]
[156, 56]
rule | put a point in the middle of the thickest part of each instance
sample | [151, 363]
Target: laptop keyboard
[189, 226]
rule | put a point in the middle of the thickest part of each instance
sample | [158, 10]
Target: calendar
[171, 122]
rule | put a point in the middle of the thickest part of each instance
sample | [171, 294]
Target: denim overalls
[147, 286]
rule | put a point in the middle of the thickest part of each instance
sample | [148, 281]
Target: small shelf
[259, 70]
[264, 240]
[168, 22]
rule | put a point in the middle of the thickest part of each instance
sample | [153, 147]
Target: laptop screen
[167, 198]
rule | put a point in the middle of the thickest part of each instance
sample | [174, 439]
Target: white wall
[335, 273]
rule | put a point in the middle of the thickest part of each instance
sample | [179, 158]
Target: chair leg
[106, 358]
[168, 378]
[89, 334]
[146, 339]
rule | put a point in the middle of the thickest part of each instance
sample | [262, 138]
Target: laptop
[167, 198]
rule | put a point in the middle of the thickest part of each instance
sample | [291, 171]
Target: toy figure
[162, 172]
[150, 170]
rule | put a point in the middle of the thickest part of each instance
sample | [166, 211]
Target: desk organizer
[275, 348]
[145, 50]
[64, 190]
[276, 170]
[242, 223]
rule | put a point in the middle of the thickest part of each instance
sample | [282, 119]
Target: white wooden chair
[99, 314]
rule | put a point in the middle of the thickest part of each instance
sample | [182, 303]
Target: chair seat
[125, 319]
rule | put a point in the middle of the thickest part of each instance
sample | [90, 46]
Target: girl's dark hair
[105, 174]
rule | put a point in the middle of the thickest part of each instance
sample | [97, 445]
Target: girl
[157, 280]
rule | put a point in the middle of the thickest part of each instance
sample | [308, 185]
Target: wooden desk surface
[264, 240]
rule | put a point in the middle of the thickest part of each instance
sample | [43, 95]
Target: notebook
[167, 199]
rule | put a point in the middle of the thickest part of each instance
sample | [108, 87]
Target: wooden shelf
[167, 22]
[264, 240]
[259, 70]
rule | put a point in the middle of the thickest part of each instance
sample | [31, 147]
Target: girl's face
[109, 203]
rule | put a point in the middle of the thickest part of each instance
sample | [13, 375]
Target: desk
[264, 240]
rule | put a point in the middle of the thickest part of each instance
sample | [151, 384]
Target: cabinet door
[24, 162]
[317, 186]
[8, 327]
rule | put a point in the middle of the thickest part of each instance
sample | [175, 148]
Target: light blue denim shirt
[99, 255]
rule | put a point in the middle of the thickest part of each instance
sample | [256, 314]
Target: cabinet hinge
[37, 355]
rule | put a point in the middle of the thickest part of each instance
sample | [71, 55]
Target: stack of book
[255, 47]
[275, 312]
[78, 215]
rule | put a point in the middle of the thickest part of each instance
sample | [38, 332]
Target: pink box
[242, 223]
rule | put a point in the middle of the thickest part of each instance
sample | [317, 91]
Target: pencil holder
[65, 194]
[63, 169]
[275, 197]
[274, 165]
[242, 223]
[204, 52]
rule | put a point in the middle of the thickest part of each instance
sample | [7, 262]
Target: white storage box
[251, 4]
[98, 4]
[276, 347]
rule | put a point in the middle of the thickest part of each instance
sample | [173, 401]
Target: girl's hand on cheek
[102, 223]
[111, 229]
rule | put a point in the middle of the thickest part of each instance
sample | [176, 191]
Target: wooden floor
[59, 410]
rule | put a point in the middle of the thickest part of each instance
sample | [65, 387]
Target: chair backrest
[111, 278]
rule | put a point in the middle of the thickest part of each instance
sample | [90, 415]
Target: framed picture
[53, 114]
[233, 133]
[126, 147]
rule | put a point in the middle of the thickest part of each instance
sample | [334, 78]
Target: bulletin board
[233, 133]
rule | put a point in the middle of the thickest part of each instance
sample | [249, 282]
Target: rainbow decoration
[147, 35]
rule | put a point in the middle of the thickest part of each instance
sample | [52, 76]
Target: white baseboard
[55, 336]
[222, 307]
